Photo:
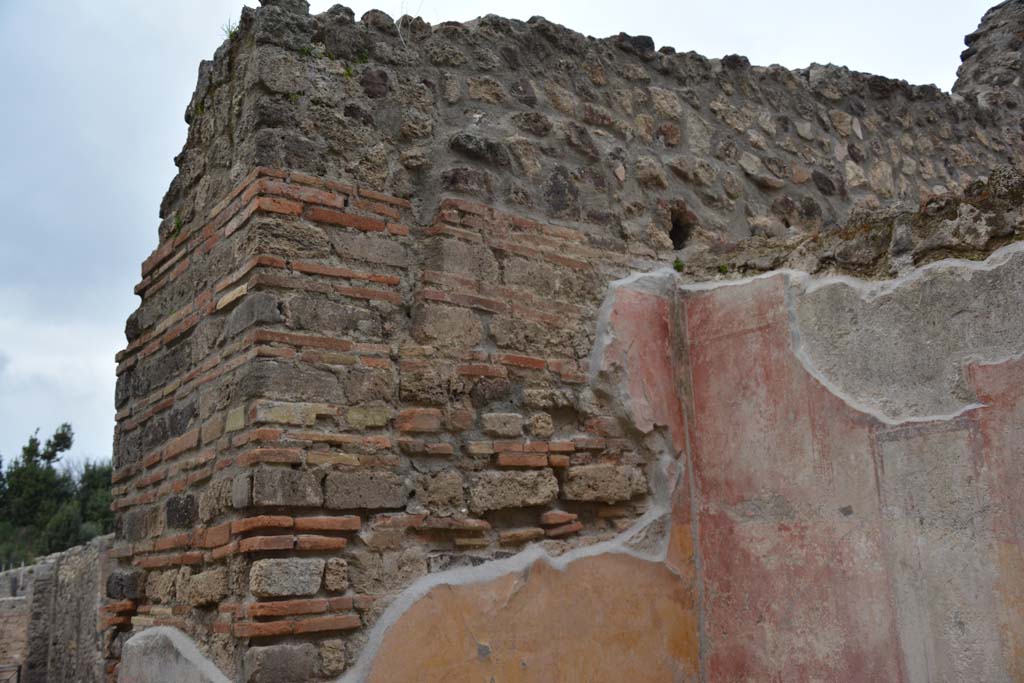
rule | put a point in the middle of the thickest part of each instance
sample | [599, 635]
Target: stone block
[182, 511]
[365, 489]
[419, 420]
[441, 493]
[447, 326]
[208, 587]
[286, 663]
[138, 523]
[125, 584]
[287, 487]
[499, 490]
[241, 491]
[235, 419]
[372, 572]
[319, 315]
[332, 657]
[336, 575]
[298, 414]
[604, 483]
[279, 578]
[162, 654]
[471, 260]
[258, 307]
[366, 417]
[502, 424]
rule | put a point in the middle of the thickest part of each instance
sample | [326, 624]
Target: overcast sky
[94, 93]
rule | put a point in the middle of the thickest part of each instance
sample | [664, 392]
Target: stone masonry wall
[51, 615]
[377, 372]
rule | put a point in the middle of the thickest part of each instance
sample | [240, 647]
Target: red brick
[377, 208]
[171, 542]
[152, 478]
[242, 526]
[343, 622]
[287, 608]
[330, 343]
[230, 607]
[310, 542]
[564, 530]
[201, 475]
[344, 523]
[370, 294]
[224, 551]
[266, 629]
[304, 194]
[119, 606]
[109, 622]
[347, 220]
[522, 460]
[341, 604]
[456, 524]
[520, 536]
[261, 543]
[481, 302]
[289, 456]
[562, 447]
[397, 521]
[465, 206]
[557, 517]
[121, 552]
[521, 361]
[156, 561]
[559, 461]
[213, 536]
[386, 198]
[185, 442]
[482, 370]
[419, 420]
[346, 273]
[277, 205]
[193, 557]
[440, 448]
[152, 459]
[604, 426]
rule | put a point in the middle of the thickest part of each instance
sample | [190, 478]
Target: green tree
[94, 497]
[43, 510]
[63, 529]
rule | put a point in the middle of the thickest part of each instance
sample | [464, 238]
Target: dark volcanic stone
[182, 511]
[375, 83]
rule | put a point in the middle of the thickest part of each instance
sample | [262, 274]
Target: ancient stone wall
[14, 617]
[51, 615]
[403, 400]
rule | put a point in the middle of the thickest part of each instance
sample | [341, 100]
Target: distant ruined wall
[491, 350]
[51, 612]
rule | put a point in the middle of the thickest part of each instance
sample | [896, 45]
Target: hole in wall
[683, 222]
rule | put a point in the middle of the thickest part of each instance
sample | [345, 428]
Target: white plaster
[798, 282]
[185, 647]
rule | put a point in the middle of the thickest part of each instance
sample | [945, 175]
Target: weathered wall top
[610, 134]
